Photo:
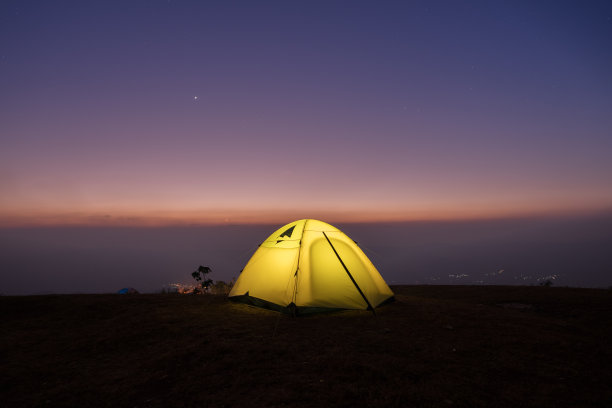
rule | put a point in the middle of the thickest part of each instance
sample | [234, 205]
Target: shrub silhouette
[200, 276]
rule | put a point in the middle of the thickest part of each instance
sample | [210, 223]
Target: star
[195, 98]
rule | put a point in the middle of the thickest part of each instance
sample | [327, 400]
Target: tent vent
[287, 233]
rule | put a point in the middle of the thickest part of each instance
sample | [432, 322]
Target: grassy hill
[436, 346]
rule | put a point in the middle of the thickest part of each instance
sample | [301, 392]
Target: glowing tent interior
[308, 266]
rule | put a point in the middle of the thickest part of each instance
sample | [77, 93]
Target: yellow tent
[309, 266]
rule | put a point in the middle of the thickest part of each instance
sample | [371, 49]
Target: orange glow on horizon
[161, 218]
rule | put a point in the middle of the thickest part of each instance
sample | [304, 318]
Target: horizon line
[214, 218]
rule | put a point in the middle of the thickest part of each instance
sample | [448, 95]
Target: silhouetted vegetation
[200, 275]
[221, 288]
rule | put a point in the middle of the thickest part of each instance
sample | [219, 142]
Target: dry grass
[436, 346]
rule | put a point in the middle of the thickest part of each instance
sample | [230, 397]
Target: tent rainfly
[308, 266]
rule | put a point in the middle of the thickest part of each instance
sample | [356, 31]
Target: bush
[200, 276]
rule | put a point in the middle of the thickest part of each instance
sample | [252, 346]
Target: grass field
[436, 346]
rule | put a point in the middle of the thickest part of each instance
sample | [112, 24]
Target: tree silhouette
[200, 276]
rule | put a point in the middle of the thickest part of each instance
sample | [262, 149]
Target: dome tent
[309, 266]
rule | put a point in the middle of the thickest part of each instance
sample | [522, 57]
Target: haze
[566, 251]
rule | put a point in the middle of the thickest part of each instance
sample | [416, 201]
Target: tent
[127, 291]
[309, 266]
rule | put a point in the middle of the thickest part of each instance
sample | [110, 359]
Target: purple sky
[175, 113]
[178, 112]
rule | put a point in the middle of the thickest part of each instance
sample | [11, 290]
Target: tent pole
[349, 274]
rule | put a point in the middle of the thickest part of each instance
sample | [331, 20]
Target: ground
[436, 346]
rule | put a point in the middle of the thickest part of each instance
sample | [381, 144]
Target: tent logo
[287, 234]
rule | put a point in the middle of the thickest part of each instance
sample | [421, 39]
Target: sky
[157, 113]
[456, 141]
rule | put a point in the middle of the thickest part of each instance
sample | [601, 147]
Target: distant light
[195, 98]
